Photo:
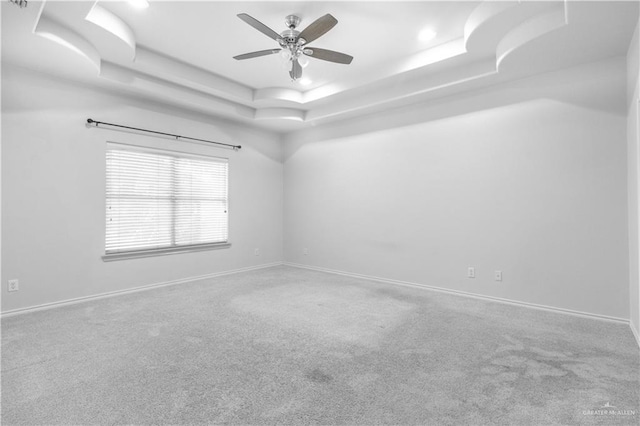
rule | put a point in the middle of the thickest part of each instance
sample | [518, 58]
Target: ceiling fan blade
[259, 26]
[256, 54]
[296, 70]
[328, 55]
[318, 28]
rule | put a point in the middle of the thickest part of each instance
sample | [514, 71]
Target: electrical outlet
[497, 275]
[305, 251]
[256, 252]
[14, 285]
[471, 272]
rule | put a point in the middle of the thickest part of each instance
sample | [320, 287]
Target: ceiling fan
[293, 43]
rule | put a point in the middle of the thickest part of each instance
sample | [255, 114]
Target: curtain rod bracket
[178, 137]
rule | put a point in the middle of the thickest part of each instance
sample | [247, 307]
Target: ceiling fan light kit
[293, 43]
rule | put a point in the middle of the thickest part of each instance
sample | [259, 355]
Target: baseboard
[466, 294]
[635, 333]
[132, 290]
[330, 271]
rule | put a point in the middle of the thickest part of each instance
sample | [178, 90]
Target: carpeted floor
[292, 346]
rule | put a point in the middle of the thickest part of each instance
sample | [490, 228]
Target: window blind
[159, 200]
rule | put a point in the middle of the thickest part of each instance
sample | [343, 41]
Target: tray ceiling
[181, 52]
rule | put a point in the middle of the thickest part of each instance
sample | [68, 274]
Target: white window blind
[162, 200]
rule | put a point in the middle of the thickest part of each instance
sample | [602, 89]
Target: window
[163, 201]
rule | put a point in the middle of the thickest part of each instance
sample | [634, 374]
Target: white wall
[633, 164]
[528, 178]
[53, 183]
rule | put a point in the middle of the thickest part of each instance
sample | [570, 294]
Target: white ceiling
[181, 52]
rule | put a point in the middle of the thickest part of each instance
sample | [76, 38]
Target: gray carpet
[291, 346]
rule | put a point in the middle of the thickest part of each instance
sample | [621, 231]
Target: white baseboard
[330, 271]
[132, 290]
[466, 294]
[635, 333]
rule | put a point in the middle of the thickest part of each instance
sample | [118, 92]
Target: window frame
[176, 249]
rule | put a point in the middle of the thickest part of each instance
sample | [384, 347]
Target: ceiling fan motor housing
[290, 36]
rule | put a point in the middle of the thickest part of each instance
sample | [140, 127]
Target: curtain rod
[91, 121]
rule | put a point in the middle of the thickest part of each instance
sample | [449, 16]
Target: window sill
[163, 251]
